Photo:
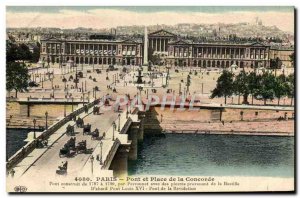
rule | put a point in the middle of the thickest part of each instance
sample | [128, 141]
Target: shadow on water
[215, 155]
[15, 140]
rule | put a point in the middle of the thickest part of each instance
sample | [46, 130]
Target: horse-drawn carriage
[71, 143]
[62, 169]
[95, 134]
[41, 143]
[86, 129]
[96, 110]
[70, 130]
[64, 151]
[68, 147]
[79, 122]
[81, 147]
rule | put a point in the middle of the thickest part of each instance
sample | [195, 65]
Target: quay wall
[17, 114]
[222, 120]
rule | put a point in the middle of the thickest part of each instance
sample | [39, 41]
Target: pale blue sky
[108, 17]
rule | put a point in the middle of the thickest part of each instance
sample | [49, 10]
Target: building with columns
[175, 50]
[181, 52]
[93, 51]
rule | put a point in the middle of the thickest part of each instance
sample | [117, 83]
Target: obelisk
[145, 47]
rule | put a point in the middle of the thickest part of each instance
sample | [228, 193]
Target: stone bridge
[106, 156]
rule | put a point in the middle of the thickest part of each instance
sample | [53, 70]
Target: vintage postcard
[150, 99]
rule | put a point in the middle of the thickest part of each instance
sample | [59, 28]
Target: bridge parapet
[111, 154]
[30, 146]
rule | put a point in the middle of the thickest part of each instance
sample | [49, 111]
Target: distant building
[174, 49]
[283, 54]
[180, 52]
[92, 51]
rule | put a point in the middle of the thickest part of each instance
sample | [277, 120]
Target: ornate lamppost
[72, 104]
[114, 128]
[65, 108]
[101, 145]
[92, 163]
[46, 114]
[34, 122]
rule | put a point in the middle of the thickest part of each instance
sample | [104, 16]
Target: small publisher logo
[20, 189]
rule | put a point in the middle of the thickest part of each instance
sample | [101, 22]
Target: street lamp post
[119, 123]
[92, 163]
[114, 128]
[72, 104]
[34, 122]
[65, 108]
[46, 114]
[101, 145]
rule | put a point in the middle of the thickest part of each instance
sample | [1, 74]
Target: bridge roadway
[43, 163]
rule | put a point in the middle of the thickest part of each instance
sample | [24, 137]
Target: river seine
[201, 155]
[215, 155]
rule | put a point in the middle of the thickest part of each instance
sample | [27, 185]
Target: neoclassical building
[173, 49]
[120, 52]
[180, 52]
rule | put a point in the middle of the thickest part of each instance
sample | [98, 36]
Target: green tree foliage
[281, 87]
[266, 90]
[263, 87]
[253, 84]
[275, 63]
[16, 77]
[291, 87]
[292, 58]
[24, 53]
[241, 86]
[154, 58]
[15, 52]
[36, 53]
[224, 86]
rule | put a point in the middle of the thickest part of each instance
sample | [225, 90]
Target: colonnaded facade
[173, 50]
[93, 51]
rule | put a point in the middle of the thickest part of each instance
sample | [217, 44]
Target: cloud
[107, 18]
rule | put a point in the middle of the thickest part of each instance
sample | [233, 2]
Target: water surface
[215, 155]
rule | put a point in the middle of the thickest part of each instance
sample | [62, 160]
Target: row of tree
[17, 77]
[21, 52]
[265, 86]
